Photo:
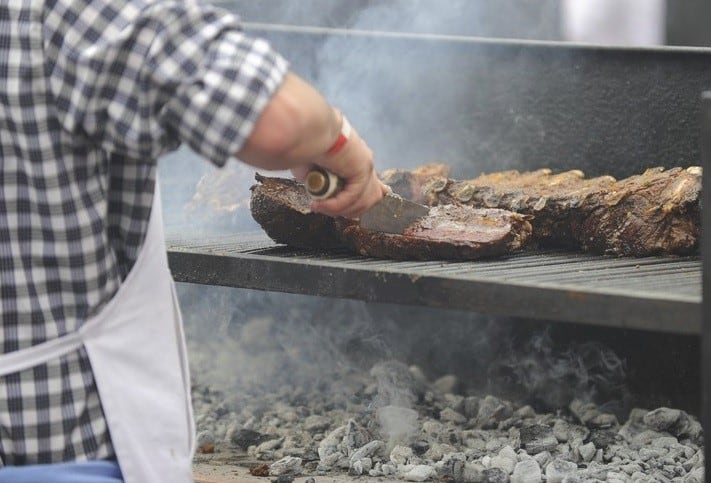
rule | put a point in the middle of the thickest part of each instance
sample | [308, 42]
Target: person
[93, 375]
[614, 22]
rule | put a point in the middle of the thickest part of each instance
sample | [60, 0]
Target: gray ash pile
[290, 386]
[392, 422]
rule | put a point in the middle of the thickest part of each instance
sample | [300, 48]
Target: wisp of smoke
[550, 377]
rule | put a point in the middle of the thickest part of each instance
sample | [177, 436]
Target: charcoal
[451, 467]
[470, 406]
[548, 447]
[602, 438]
[244, 438]
[285, 466]
[491, 411]
[676, 422]
[495, 475]
[558, 469]
[505, 460]
[527, 471]
[536, 438]
[355, 436]
[590, 415]
[420, 447]
[368, 450]
[452, 416]
[419, 473]
[316, 423]
[662, 419]
[654, 213]
[205, 442]
[587, 452]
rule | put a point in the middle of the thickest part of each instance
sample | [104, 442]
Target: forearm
[297, 130]
[294, 129]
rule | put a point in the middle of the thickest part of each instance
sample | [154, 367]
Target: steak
[457, 232]
[281, 207]
[447, 232]
[654, 213]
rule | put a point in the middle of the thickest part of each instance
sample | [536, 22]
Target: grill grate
[661, 294]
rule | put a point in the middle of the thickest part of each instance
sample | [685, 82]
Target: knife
[392, 214]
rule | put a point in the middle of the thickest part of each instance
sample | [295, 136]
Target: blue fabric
[76, 472]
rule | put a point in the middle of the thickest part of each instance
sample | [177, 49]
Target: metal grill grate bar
[662, 293]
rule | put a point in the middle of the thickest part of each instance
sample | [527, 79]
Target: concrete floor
[232, 466]
[227, 473]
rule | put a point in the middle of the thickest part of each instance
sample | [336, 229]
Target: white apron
[137, 352]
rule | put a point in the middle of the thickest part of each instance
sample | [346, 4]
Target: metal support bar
[655, 293]
[706, 277]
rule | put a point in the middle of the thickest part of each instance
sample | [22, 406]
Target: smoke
[259, 342]
[251, 343]
[403, 101]
[406, 100]
[549, 374]
[398, 424]
[524, 19]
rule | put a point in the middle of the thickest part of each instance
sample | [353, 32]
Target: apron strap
[20, 360]
[35, 355]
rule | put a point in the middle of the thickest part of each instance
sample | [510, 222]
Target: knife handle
[321, 183]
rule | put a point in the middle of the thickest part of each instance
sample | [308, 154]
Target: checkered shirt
[91, 93]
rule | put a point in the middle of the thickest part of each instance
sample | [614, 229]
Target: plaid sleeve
[140, 77]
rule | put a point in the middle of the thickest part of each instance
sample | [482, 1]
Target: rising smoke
[407, 115]
[252, 342]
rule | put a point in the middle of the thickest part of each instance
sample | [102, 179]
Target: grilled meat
[448, 232]
[656, 212]
[281, 207]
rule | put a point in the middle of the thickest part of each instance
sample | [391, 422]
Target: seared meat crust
[654, 213]
[281, 207]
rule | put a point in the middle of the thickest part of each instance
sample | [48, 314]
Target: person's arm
[296, 129]
[163, 73]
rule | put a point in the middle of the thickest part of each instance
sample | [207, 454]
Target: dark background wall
[688, 21]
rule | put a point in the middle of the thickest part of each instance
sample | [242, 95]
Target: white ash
[291, 374]
[288, 465]
[391, 422]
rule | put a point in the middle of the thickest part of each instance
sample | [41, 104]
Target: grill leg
[706, 260]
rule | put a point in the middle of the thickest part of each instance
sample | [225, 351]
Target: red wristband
[343, 137]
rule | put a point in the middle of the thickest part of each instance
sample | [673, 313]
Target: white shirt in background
[614, 22]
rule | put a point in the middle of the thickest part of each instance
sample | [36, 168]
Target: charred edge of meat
[654, 213]
[281, 207]
[448, 232]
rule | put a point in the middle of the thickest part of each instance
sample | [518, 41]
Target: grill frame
[551, 285]
[484, 105]
[705, 361]
[632, 108]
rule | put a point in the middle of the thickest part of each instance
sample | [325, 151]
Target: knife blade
[392, 214]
